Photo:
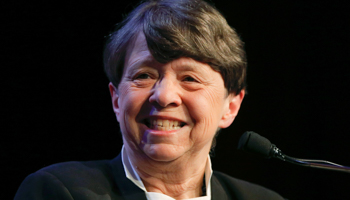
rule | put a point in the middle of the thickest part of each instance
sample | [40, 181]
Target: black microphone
[255, 143]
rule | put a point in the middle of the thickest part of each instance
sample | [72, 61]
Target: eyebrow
[189, 66]
[140, 62]
[150, 61]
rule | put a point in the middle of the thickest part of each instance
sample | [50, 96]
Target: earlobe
[115, 97]
[232, 107]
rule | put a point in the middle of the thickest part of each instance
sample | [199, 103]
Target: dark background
[56, 105]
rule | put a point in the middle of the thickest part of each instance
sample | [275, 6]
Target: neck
[181, 178]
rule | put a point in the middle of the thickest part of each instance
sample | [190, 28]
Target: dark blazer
[106, 180]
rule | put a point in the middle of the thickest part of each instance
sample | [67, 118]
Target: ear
[115, 97]
[232, 105]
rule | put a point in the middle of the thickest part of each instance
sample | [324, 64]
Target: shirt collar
[132, 175]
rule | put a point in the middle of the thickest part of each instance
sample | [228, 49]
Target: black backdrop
[56, 106]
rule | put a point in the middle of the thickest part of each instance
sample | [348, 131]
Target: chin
[162, 152]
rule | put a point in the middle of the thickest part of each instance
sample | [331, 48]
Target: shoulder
[240, 189]
[68, 180]
[78, 172]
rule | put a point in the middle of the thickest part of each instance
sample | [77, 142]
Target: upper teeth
[164, 124]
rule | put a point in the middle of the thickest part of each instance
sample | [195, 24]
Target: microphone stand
[322, 164]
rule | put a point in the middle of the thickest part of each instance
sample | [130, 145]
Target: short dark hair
[174, 29]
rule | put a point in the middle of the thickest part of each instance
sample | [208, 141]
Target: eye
[142, 76]
[189, 79]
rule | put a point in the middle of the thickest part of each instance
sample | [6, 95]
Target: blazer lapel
[217, 190]
[127, 189]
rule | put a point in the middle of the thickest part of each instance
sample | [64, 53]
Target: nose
[165, 93]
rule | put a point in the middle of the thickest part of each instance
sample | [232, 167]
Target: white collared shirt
[132, 175]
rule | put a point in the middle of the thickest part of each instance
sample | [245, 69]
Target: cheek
[130, 102]
[205, 109]
[207, 105]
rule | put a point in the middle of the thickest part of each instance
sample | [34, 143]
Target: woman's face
[167, 111]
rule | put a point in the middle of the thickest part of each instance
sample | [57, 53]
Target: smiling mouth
[164, 124]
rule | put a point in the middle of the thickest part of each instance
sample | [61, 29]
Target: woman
[177, 73]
